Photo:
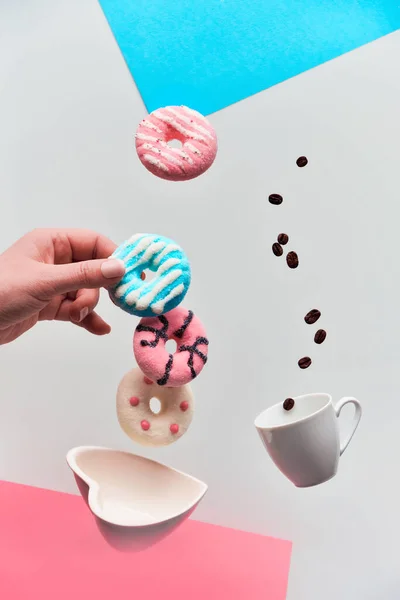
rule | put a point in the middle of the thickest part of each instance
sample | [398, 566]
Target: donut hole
[155, 406]
[171, 346]
[174, 143]
[147, 275]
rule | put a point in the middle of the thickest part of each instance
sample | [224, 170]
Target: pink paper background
[52, 549]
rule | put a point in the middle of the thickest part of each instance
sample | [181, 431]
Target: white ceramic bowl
[128, 490]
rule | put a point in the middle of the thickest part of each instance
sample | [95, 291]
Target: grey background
[68, 112]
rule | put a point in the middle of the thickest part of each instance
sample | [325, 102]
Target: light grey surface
[68, 111]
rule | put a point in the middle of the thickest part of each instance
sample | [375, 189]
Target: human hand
[55, 274]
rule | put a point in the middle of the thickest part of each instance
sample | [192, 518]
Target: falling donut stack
[157, 301]
[159, 374]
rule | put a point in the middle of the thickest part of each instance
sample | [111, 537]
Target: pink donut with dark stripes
[153, 358]
[197, 136]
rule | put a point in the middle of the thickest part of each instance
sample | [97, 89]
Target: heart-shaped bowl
[128, 490]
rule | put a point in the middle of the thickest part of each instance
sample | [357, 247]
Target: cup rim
[302, 420]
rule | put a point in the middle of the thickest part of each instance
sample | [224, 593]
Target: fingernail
[112, 268]
[83, 314]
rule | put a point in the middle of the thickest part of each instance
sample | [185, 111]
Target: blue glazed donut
[170, 284]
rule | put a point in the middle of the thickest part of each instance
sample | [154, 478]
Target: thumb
[61, 279]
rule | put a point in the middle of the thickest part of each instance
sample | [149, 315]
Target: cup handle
[356, 420]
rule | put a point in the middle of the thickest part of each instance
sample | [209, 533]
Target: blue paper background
[208, 54]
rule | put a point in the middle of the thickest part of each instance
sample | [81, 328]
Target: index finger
[84, 244]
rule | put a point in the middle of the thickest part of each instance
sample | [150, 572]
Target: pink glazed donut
[198, 138]
[171, 370]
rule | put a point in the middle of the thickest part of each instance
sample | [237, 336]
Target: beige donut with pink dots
[137, 419]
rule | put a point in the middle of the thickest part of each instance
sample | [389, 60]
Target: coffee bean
[142, 275]
[292, 260]
[320, 336]
[283, 238]
[277, 249]
[275, 199]
[312, 316]
[305, 362]
[288, 404]
[302, 161]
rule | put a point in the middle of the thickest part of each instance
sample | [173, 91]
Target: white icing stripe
[121, 249]
[147, 255]
[158, 307]
[147, 138]
[150, 138]
[150, 125]
[192, 148]
[135, 237]
[116, 253]
[171, 121]
[144, 302]
[173, 159]
[166, 155]
[140, 247]
[171, 262]
[156, 162]
[167, 250]
[194, 112]
[189, 122]
[121, 289]
[147, 299]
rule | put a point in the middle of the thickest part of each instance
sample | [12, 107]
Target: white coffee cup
[304, 442]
